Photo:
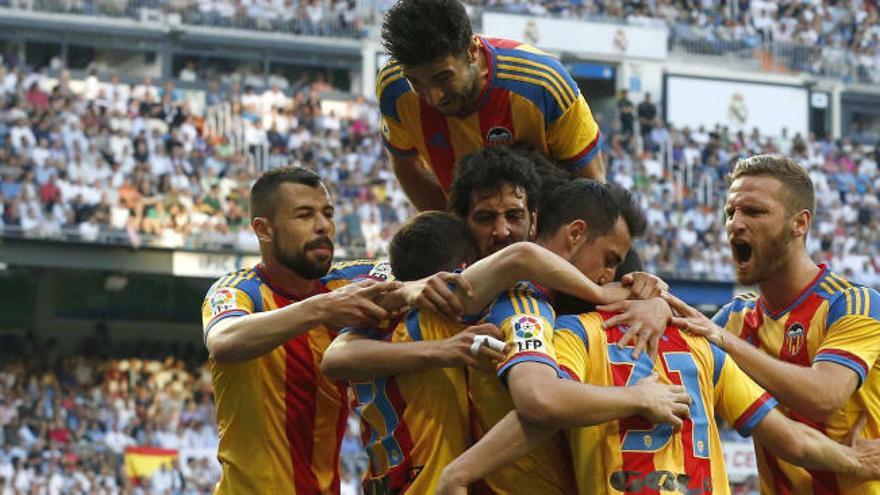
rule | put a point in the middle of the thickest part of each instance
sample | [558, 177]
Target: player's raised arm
[248, 336]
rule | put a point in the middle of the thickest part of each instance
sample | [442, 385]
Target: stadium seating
[112, 164]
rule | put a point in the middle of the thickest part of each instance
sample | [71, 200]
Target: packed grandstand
[89, 157]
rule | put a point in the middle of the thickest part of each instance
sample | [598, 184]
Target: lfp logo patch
[222, 300]
[527, 327]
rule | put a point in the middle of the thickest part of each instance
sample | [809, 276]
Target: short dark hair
[263, 202]
[488, 170]
[416, 32]
[796, 182]
[597, 204]
[428, 243]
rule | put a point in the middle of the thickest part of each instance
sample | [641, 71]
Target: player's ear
[262, 228]
[533, 227]
[474, 49]
[801, 223]
[577, 232]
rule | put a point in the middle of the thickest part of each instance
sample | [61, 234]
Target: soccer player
[632, 455]
[411, 395]
[280, 420]
[447, 92]
[811, 338]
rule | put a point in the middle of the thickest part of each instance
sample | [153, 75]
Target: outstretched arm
[355, 357]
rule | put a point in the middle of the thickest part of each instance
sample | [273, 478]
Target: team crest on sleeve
[794, 338]
[222, 299]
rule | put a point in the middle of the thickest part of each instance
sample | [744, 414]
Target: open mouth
[742, 251]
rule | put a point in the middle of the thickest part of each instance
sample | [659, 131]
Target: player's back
[413, 424]
[633, 456]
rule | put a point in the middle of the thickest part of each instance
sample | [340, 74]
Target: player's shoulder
[237, 279]
[742, 302]
[533, 74]
[847, 298]
[391, 86]
[584, 325]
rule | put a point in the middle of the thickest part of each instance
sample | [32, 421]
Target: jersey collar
[765, 308]
[489, 52]
[317, 288]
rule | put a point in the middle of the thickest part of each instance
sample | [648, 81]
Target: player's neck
[783, 287]
[482, 81]
[284, 280]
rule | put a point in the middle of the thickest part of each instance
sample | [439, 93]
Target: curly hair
[416, 32]
[487, 171]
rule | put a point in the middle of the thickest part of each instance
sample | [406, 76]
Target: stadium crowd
[66, 418]
[135, 165]
[836, 39]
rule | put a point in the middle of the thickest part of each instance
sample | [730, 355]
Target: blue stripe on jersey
[390, 95]
[553, 64]
[718, 356]
[544, 73]
[529, 358]
[758, 416]
[740, 303]
[251, 287]
[355, 270]
[857, 367]
[412, 325]
[573, 324]
[540, 97]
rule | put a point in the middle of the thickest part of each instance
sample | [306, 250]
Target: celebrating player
[447, 92]
[281, 421]
[635, 456]
[811, 338]
[413, 394]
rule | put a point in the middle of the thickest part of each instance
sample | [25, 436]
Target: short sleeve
[391, 85]
[738, 399]
[526, 320]
[571, 344]
[574, 138]
[224, 302]
[852, 338]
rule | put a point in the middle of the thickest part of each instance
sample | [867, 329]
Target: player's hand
[458, 350]
[437, 293]
[662, 403]
[644, 285]
[645, 321]
[692, 321]
[354, 305]
[867, 451]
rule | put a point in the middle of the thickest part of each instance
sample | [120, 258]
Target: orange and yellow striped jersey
[529, 98]
[833, 320]
[631, 455]
[413, 424]
[281, 421]
[526, 318]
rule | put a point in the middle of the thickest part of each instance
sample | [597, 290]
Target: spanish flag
[141, 462]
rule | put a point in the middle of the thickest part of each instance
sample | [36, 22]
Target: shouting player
[280, 420]
[811, 337]
[447, 92]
